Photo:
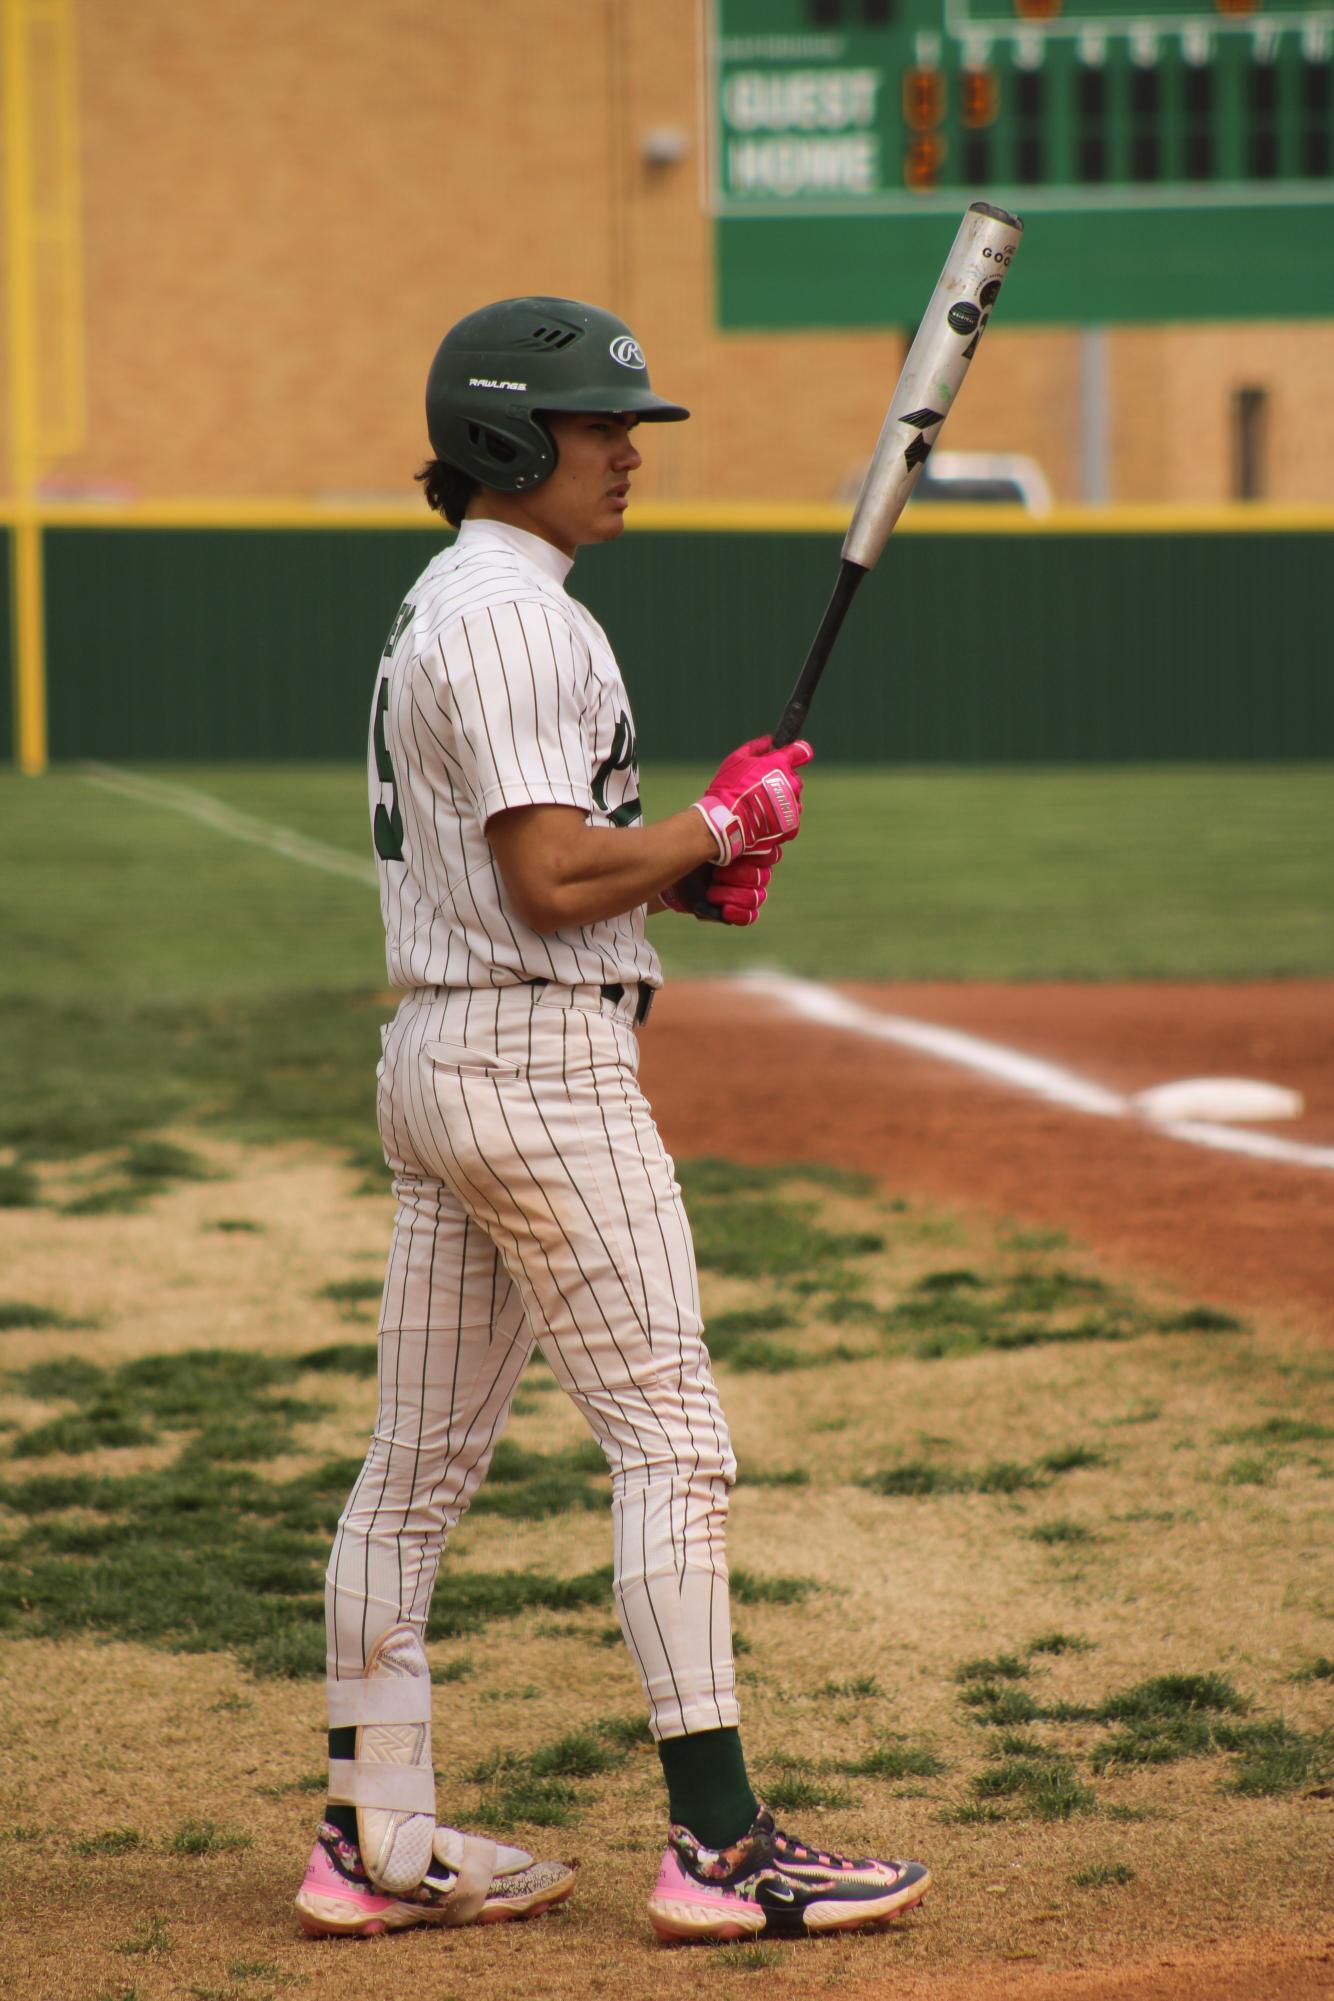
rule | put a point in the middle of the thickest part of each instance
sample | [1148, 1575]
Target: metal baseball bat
[932, 375]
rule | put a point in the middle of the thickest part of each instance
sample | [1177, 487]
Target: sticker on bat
[917, 453]
[963, 317]
[989, 292]
[922, 420]
[971, 348]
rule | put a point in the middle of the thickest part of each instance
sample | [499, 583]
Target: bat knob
[996, 214]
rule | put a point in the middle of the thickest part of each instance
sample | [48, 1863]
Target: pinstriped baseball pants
[536, 1204]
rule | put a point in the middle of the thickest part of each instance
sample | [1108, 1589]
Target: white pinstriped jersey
[496, 689]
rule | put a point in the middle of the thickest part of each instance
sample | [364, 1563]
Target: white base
[1238, 1099]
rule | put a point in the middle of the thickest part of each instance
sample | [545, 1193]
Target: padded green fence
[218, 642]
[962, 648]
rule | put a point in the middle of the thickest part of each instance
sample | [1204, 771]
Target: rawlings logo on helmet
[628, 352]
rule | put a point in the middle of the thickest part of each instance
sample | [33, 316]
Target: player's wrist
[724, 828]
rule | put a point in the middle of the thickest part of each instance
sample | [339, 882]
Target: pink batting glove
[739, 889]
[754, 798]
[743, 886]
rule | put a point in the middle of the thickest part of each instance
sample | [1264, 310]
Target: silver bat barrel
[933, 373]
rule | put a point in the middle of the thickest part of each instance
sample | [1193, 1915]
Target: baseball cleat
[768, 1885]
[468, 1881]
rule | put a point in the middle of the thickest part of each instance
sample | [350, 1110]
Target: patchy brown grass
[1185, 1570]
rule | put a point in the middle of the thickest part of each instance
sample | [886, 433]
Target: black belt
[615, 992]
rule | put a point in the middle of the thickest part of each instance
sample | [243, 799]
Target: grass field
[157, 968]
[1031, 1565]
[1095, 874]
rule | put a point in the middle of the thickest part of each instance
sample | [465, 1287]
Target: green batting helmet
[500, 367]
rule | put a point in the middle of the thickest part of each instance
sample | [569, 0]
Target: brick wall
[288, 201]
[1174, 389]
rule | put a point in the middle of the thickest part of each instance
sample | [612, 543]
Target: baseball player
[536, 1203]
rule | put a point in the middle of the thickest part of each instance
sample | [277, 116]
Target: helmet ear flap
[539, 468]
[490, 444]
[514, 465]
[513, 453]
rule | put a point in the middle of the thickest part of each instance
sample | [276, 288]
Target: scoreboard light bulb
[923, 98]
[979, 97]
[922, 162]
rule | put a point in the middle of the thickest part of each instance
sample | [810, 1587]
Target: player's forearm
[600, 872]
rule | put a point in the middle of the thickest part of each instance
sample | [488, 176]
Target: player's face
[585, 498]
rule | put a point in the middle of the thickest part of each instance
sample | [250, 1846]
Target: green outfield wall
[1030, 644]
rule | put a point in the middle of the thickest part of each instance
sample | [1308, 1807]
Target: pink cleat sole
[330, 1904]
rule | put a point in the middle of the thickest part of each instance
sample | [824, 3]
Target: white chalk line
[224, 819]
[812, 1002]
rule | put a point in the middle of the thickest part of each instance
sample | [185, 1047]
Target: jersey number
[388, 822]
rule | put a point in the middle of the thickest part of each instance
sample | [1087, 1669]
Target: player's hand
[740, 888]
[754, 798]
[730, 895]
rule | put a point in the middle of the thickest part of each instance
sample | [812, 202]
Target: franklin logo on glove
[754, 798]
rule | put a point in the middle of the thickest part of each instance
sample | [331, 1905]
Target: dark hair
[447, 490]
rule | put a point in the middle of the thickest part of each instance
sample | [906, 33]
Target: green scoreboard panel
[1172, 161]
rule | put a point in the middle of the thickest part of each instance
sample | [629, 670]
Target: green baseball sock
[707, 1787]
[342, 1744]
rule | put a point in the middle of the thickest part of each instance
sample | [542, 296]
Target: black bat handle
[694, 886]
[799, 701]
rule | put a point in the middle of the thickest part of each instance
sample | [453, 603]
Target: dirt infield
[1218, 1226]
[1268, 1972]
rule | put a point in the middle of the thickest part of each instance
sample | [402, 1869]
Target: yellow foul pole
[25, 541]
[29, 644]
[42, 241]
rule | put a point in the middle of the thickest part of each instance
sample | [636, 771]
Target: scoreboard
[1177, 161]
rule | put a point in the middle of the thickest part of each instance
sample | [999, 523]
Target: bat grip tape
[849, 577]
